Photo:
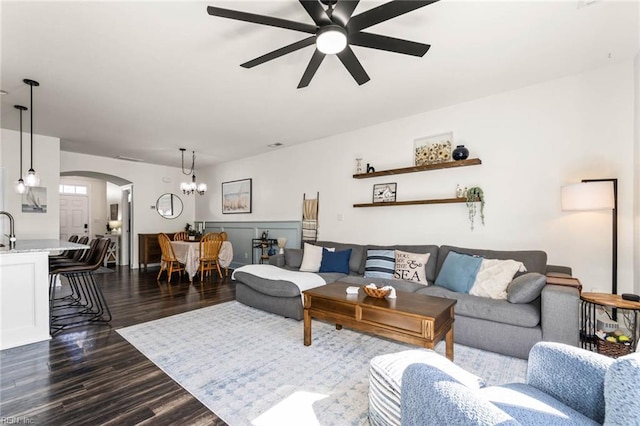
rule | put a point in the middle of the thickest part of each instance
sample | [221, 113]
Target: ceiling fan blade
[261, 19]
[316, 11]
[352, 64]
[314, 63]
[390, 44]
[280, 52]
[343, 10]
[385, 12]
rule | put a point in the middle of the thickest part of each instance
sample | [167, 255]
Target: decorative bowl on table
[376, 292]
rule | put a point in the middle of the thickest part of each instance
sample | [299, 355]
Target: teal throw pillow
[458, 272]
[335, 261]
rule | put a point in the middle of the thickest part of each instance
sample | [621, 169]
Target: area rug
[251, 368]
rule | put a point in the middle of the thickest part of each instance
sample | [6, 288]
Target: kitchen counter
[34, 246]
[24, 290]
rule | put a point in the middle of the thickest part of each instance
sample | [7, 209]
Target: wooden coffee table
[412, 318]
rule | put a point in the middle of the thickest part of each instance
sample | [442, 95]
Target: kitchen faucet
[12, 235]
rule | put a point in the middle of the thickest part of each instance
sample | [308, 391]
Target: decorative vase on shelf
[460, 153]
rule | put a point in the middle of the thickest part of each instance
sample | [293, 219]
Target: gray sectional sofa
[494, 325]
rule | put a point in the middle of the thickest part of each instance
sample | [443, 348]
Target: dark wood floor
[90, 375]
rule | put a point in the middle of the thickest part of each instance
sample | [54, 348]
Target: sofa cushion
[501, 311]
[358, 254]
[275, 288]
[430, 268]
[312, 257]
[293, 257]
[380, 264]
[337, 261]
[458, 272]
[526, 288]
[411, 266]
[534, 260]
[494, 276]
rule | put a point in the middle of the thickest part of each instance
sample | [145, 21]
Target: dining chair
[208, 256]
[210, 236]
[169, 261]
[180, 236]
[223, 235]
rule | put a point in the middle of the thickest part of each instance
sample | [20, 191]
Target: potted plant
[474, 196]
[191, 231]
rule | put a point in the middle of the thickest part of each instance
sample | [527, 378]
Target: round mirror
[169, 206]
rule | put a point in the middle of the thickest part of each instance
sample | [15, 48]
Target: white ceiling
[142, 79]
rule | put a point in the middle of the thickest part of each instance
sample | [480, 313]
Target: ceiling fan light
[331, 39]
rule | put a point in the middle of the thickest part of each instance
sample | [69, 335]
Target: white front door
[74, 216]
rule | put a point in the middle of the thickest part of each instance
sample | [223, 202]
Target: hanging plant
[475, 195]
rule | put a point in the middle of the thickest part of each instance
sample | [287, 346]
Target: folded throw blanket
[304, 280]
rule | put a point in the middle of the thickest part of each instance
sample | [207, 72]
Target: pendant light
[189, 188]
[21, 188]
[32, 178]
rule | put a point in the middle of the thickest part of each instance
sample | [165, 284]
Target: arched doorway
[119, 203]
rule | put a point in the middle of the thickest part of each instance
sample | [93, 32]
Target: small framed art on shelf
[433, 149]
[384, 192]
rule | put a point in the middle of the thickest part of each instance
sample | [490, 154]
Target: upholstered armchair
[565, 385]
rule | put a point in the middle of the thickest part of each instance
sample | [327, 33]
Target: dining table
[188, 253]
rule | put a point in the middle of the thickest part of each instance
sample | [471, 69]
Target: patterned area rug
[251, 367]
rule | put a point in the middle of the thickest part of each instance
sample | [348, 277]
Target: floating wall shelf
[412, 203]
[424, 168]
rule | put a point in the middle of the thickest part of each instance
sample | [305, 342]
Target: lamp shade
[588, 196]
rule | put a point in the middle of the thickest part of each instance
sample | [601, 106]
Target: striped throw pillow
[380, 264]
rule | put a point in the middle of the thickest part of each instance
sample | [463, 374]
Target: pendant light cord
[20, 108]
[31, 112]
[193, 159]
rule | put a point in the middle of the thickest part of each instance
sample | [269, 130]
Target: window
[73, 189]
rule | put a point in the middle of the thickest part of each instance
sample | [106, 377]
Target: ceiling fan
[334, 32]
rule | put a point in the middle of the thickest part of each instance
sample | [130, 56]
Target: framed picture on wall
[34, 200]
[384, 192]
[236, 196]
[113, 212]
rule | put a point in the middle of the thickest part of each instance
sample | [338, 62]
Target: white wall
[636, 193]
[148, 185]
[46, 164]
[531, 142]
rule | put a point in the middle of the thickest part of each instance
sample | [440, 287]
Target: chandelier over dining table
[191, 187]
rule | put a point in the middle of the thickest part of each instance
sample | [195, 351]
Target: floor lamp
[597, 194]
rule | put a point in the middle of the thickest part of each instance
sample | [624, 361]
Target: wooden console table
[149, 249]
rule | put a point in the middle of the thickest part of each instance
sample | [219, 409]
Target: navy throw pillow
[335, 261]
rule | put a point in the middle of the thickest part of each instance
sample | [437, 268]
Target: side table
[590, 301]
[264, 245]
